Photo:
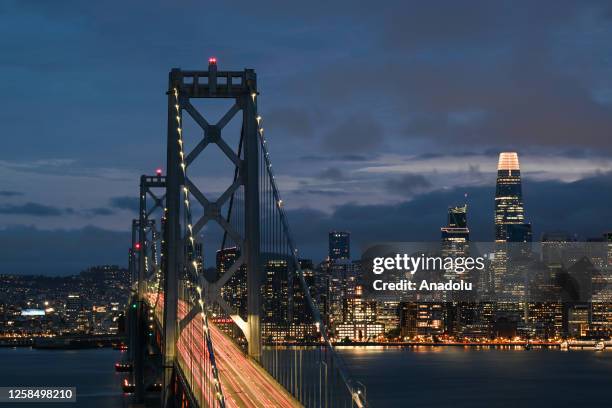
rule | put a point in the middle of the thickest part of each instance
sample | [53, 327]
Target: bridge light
[212, 61]
[158, 171]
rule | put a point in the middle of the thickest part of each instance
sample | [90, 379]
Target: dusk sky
[378, 116]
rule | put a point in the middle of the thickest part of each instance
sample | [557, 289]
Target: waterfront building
[422, 319]
[359, 321]
[388, 314]
[578, 320]
[342, 275]
[602, 293]
[366, 331]
[543, 320]
[301, 313]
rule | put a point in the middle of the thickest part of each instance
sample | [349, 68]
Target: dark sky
[378, 116]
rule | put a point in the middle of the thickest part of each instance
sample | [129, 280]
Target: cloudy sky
[378, 116]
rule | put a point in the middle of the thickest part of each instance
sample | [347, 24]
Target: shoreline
[64, 342]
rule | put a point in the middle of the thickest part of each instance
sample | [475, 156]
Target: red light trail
[245, 384]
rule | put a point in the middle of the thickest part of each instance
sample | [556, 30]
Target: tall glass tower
[511, 231]
[510, 225]
[455, 235]
[339, 245]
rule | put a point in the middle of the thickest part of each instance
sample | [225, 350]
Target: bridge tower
[147, 266]
[241, 88]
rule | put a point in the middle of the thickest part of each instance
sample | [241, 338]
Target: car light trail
[245, 384]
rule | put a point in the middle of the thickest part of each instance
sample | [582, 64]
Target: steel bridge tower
[143, 266]
[241, 87]
[172, 299]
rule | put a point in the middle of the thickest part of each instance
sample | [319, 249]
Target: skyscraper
[234, 292]
[510, 225]
[339, 245]
[455, 244]
[456, 234]
[510, 259]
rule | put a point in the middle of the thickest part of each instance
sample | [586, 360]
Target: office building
[339, 245]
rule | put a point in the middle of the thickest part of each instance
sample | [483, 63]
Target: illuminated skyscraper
[510, 225]
[234, 292]
[510, 259]
[455, 243]
[602, 291]
[456, 234]
[339, 245]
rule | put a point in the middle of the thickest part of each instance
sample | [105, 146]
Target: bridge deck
[244, 382]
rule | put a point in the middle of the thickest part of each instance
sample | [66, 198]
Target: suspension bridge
[244, 329]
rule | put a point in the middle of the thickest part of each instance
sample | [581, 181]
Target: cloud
[43, 210]
[407, 184]
[332, 173]
[356, 134]
[340, 157]
[292, 122]
[416, 26]
[328, 193]
[28, 250]
[125, 203]
[479, 74]
[100, 211]
[34, 209]
[9, 193]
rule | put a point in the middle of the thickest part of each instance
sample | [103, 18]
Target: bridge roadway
[244, 382]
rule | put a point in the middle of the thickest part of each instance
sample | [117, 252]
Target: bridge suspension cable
[270, 187]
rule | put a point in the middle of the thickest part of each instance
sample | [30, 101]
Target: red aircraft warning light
[137, 246]
[212, 61]
[158, 171]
